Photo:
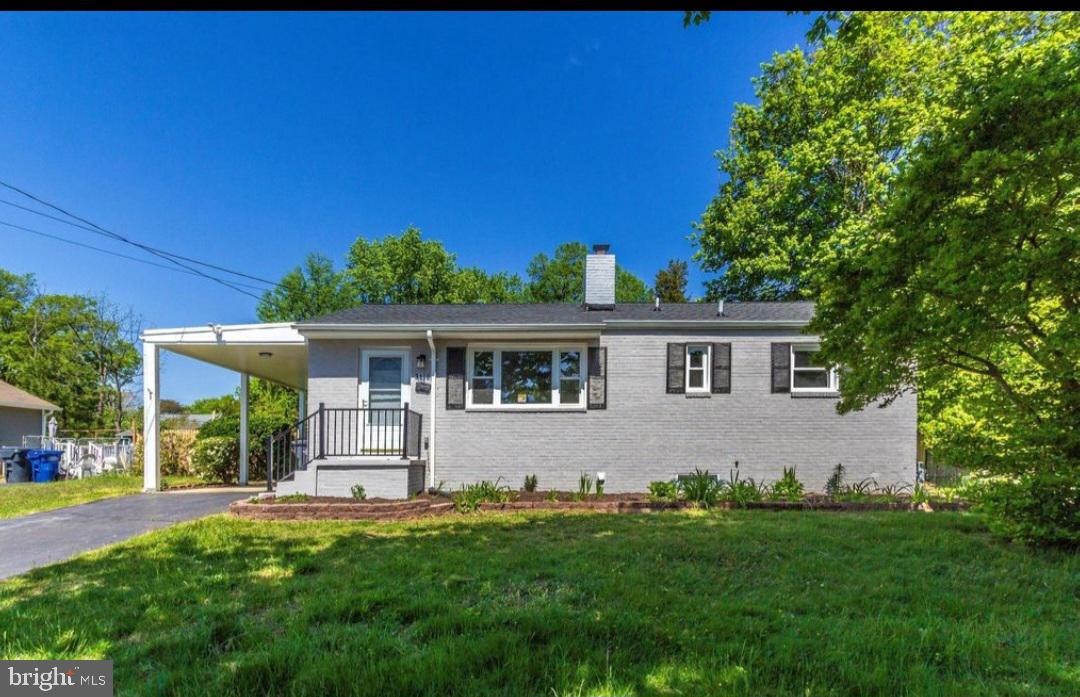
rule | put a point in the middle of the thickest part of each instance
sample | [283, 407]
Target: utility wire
[108, 233]
[172, 254]
[109, 251]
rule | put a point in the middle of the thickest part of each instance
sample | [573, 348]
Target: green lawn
[21, 499]
[681, 603]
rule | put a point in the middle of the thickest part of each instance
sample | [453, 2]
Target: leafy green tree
[974, 275]
[671, 282]
[561, 278]
[225, 404]
[307, 291]
[170, 406]
[75, 351]
[407, 269]
[895, 173]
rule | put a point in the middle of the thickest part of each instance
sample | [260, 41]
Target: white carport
[275, 352]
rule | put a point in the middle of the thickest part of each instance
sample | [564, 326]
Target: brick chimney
[600, 279]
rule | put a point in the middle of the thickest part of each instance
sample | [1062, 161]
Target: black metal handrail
[341, 432]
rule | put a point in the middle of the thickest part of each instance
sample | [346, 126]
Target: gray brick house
[404, 397]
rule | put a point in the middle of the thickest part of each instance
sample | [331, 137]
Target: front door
[384, 388]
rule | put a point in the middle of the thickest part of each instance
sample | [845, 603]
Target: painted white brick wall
[646, 434]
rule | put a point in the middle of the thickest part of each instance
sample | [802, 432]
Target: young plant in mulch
[585, 484]
[835, 482]
[787, 488]
[530, 483]
[469, 497]
[358, 492]
[742, 491]
[663, 492]
[701, 488]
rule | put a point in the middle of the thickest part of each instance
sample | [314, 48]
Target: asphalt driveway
[43, 538]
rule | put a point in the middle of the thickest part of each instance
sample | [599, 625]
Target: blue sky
[251, 140]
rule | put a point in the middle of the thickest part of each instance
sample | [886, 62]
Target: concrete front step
[385, 478]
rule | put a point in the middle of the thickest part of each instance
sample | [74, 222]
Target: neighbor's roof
[11, 396]
[564, 314]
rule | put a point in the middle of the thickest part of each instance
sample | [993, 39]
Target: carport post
[243, 429]
[151, 412]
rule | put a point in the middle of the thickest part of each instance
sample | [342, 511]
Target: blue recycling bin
[45, 464]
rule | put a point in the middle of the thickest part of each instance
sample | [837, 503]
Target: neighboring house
[22, 414]
[403, 397]
[186, 422]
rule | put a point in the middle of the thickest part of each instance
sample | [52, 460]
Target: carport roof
[275, 352]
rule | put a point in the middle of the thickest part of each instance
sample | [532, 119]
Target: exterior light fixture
[421, 362]
[265, 354]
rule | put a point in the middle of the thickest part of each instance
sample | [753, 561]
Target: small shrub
[701, 488]
[920, 495]
[742, 491]
[530, 482]
[1037, 507]
[787, 488]
[663, 491]
[216, 459]
[358, 492]
[836, 481]
[469, 497]
[599, 487]
[552, 495]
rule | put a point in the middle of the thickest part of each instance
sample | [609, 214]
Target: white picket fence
[86, 457]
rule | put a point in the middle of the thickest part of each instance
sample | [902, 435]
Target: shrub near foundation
[216, 459]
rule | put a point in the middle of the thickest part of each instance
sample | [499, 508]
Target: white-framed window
[535, 376]
[698, 368]
[808, 373]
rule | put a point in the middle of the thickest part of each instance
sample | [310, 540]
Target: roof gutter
[502, 326]
[710, 323]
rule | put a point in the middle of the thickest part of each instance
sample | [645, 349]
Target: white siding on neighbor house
[16, 423]
[646, 434]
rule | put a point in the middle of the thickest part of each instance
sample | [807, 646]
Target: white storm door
[384, 391]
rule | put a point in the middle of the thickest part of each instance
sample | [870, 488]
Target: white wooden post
[151, 413]
[244, 429]
[301, 404]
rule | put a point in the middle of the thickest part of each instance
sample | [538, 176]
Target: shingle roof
[565, 313]
[11, 396]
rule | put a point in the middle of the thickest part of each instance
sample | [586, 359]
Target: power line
[108, 233]
[110, 252]
[172, 254]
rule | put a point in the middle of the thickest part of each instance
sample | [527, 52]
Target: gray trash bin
[17, 468]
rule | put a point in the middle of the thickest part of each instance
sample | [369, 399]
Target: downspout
[434, 382]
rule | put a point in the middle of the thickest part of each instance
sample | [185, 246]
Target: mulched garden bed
[335, 508]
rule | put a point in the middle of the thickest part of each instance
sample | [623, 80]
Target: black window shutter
[781, 367]
[721, 368]
[455, 377]
[597, 377]
[676, 368]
